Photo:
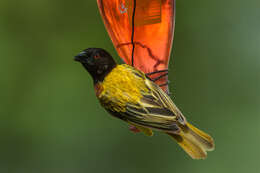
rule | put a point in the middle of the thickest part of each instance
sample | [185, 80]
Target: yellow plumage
[121, 87]
[130, 96]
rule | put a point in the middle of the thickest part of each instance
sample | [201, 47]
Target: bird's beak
[77, 58]
[80, 57]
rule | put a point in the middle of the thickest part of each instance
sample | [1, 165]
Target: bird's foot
[134, 129]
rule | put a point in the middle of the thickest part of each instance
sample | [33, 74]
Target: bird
[128, 94]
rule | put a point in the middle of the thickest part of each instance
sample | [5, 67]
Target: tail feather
[205, 139]
[194, 142]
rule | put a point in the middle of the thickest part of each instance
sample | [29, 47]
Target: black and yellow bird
[128, 94]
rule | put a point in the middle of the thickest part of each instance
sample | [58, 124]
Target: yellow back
[122, 85]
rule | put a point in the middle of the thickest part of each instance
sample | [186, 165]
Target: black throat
[99, 74]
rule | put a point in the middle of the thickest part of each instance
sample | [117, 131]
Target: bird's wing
[154, 110]
[164, 100]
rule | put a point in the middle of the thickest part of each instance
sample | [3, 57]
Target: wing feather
[155, 110]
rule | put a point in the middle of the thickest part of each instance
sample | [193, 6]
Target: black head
[97, 62]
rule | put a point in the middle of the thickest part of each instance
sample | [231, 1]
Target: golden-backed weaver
[128, 94]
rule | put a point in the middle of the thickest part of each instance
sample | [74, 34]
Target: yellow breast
[122, 86]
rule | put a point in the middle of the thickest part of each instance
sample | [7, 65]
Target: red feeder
[142, 33]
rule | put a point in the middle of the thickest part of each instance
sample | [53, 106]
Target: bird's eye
[97, 56]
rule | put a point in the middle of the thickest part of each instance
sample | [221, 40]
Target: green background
[51, 122]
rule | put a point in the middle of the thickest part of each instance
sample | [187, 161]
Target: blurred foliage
[50, 120]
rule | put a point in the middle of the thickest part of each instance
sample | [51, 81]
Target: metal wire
[133, 32]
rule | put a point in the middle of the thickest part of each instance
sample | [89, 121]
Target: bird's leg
[134, 129]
